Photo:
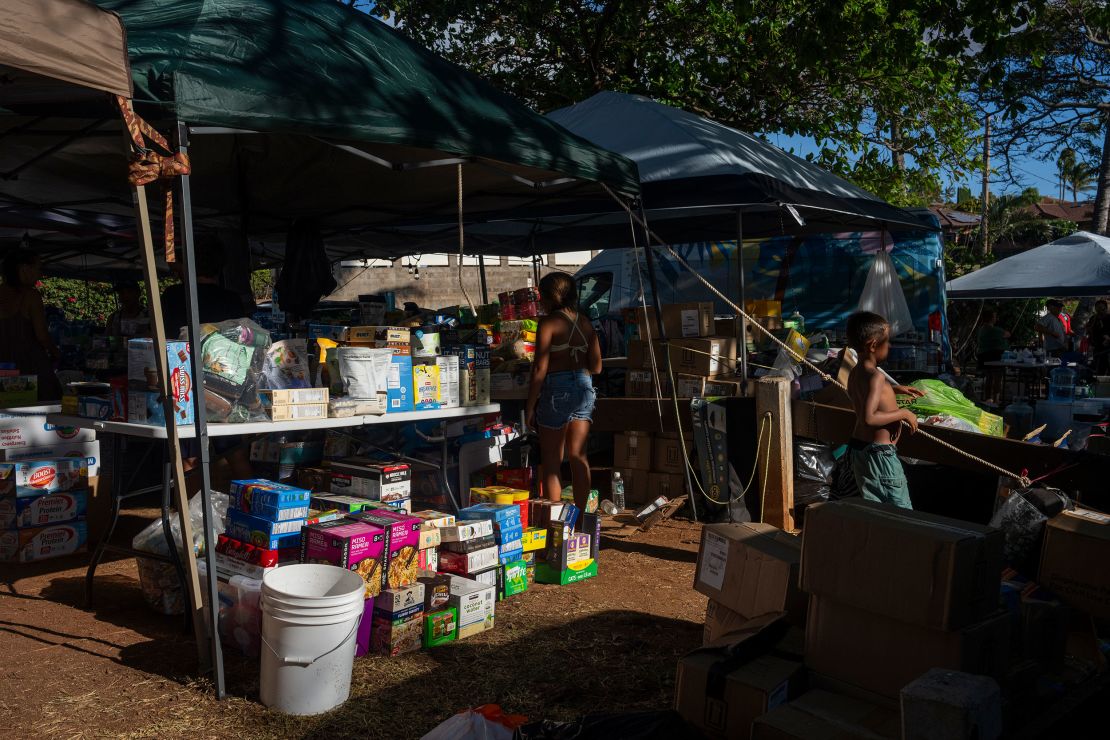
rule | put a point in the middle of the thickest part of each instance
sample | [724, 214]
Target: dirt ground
[119, 670]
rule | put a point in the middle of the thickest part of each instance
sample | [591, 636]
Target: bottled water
[618, 491]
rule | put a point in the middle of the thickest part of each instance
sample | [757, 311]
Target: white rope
[1023, 480]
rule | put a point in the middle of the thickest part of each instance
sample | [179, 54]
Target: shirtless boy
[874, 456]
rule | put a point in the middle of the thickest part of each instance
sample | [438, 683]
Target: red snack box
[246, 552]
[357, 546]
[401, 563]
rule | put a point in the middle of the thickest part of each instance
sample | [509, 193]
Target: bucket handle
[304, 662]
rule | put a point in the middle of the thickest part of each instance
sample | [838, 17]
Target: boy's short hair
[864, 327]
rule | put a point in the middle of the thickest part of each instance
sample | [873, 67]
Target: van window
[594, 293]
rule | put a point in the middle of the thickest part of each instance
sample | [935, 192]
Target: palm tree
[1080, 178]
[1064, 165]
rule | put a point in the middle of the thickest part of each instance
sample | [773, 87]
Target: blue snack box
[263, 532]
[399, 388]
[507, 515]
[508, 534]
[269, 499]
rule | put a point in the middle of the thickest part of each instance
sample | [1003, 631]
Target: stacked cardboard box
[42, 508]
[894, 593]
[650, 465]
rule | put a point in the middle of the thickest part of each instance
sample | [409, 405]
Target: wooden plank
[776, 466]
[181, 496]
[834, 425]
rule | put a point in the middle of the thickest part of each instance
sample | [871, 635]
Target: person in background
[214, 302]
[1098, 337]
[992, 342]
[24, 339]
[1051, 327]
[873, 450]
[131, 313]
[561, 394]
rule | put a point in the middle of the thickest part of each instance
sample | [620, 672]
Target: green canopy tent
[296, 108]
[287, 109]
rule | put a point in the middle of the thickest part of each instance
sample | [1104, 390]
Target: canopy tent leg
[482, 277]
[181, 495]
[649, 252]
[743, 300]
[200, 423]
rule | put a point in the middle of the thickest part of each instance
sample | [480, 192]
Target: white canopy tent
[1073, 267]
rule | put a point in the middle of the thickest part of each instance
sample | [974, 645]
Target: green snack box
[440, 627]
[580, 571]
[512, 579]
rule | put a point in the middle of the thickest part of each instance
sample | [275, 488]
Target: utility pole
[984, 226]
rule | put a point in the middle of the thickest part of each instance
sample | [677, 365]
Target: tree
[1050, 80]
[1064, 164]
[1080, 177]
[877, 84]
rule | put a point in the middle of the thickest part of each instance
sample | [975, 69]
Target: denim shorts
[566, 396]
[879, 473]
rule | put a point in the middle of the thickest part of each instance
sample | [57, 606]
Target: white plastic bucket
[310, 615]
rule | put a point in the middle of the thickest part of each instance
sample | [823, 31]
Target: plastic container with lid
[1061, 384]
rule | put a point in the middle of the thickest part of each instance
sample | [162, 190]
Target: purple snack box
[365, 629]
[400, 567]
[357, 546]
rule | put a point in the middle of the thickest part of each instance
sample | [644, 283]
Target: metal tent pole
[743, 299]
[482, 277]
[200, 423]
[649, 251]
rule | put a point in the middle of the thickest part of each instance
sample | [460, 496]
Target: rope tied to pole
[1022, 478]
[147, 166]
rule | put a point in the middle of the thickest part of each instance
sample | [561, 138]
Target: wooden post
[181, 496]
[776, 466]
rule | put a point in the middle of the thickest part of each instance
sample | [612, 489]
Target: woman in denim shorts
[561, 395]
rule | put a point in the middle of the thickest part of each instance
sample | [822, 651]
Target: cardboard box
[699, 386]
[402, 530]
[636, 486]
[293, 396]
[394, 601]
[403, 633]
[723, 699]
[437, 590]
[474, 629]
[428, 558]
[39, 511]
[881, 655]
[356, 546]
[670, 485]
[1074, 542]
[640, 322]
[425, 383]
[343, 504]
[473, 602]
[910, 566]
[88, 450]
[486, 577]
[708, 357]
[41, 543]
[502, 515]
[383, 482]
[475, 544]
[399, 385]
[31, 429]
[468, 563]
[440, 627]
[683, 320]
[449, 394]
[298, 411]
[269, 499]
[36, 477]
[534, 538]
[667, 454]
[463, 531]
[512, 579]
[828, 716]
[640, 384]
[567, 558]
[377, 336]
[632, 450]
[726, 327]
[263, 532]
[750, 568]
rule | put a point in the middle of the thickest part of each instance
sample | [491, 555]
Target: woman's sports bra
[574, 349]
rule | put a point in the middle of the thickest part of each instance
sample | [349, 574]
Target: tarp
[69, 41]
[307, 108]
[699, 179]
[1075, 266]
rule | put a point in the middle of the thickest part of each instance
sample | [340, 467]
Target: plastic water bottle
[618, 491]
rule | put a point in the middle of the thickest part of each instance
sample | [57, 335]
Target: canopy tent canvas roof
[305, 108]
[53, 50]
[696, 176]
[1075, 266]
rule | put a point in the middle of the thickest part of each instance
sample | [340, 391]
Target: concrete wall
[438, 284]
